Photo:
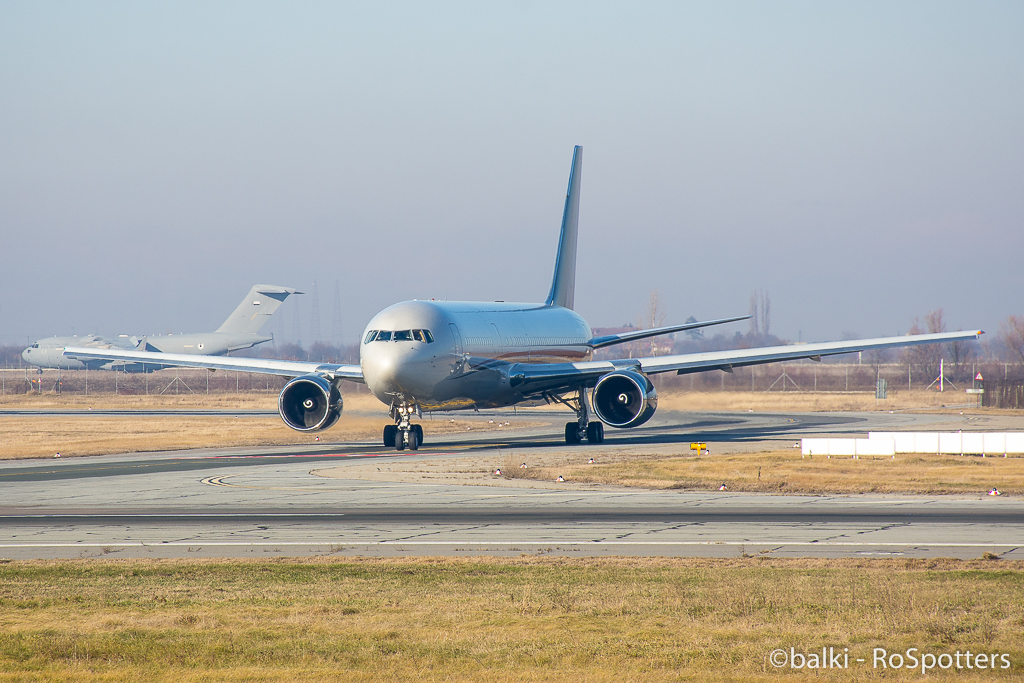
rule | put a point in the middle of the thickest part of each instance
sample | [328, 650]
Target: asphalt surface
[272, 502]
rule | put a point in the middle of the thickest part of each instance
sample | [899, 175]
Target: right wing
[555, 377]
[282, 368]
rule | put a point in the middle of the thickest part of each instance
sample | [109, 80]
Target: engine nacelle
[625, 398]
[309, 403]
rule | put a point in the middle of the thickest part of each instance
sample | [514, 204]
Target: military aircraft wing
[282, 368]
[538, 378]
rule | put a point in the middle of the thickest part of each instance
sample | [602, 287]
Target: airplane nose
[25, 354]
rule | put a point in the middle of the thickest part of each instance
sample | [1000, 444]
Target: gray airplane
[420, 356]
[239, 331]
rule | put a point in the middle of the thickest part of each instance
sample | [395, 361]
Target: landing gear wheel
[419, 434]
[389, 435]
[414, 439]
[572, 432]
[595, 432]
[399, 442]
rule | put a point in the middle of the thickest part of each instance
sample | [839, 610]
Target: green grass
[618, 619]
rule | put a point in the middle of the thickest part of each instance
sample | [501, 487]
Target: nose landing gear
[403, 434]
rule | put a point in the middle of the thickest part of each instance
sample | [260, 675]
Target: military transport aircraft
[239, 331]
[420, 356]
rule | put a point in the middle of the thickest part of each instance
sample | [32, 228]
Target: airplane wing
[623, 337]
[281, 368]
[538, 378]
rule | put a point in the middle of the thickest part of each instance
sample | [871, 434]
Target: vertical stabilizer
[256, 308]
[563, 284]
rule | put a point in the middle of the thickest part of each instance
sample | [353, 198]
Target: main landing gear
[403, 434]
[583, 428]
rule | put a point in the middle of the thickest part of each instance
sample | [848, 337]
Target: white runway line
[336, 542]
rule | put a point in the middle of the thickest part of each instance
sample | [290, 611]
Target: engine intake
[625, 398]
[309, 403]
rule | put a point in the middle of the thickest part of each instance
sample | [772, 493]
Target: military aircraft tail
[563, 284]
[256, 308]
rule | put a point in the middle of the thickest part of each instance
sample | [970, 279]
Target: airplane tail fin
[256, 308]
[563, 284]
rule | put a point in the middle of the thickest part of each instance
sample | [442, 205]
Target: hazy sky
[863, 162]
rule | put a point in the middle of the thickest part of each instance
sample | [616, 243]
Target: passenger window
[403, 335]
[429, 337]
[418, 336]
[369, 336]
[383, 335]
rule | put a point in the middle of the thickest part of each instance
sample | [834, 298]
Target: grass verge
[788, 472]
[551, 619]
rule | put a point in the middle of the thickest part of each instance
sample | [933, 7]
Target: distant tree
[10, 356]
[924, 360]
[1011, 334]
[653, 316]
[960, 355]
[695, 333]
[760, 314]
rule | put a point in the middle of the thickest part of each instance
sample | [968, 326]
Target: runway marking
[335, 542]
[219, 481]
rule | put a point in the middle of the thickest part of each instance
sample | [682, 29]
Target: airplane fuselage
[48, 353]
[452, 355]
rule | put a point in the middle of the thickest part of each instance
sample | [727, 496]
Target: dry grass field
[487, 619]
[807, 401]
[788, 472]
[363, 419]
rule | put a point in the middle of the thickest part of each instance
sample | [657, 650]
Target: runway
[261, 502]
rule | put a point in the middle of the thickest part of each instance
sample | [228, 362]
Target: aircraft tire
[419, 434]
[399, 442]
[414, 439]
[572, 433]
[389, 435]
[595, 432]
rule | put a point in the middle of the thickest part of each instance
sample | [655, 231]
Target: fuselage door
[497, 341]
[456, 339]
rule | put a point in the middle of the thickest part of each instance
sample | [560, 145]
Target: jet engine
[625, 398]
[309, 403]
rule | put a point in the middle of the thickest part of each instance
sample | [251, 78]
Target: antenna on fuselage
[563, 284]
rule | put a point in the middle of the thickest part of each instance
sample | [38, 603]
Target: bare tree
[960, 354]
[1011, 334]
[653, 316]
[924, 360]
[755, 318]
[766, 314]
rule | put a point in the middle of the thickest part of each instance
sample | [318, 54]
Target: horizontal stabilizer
[622, 338]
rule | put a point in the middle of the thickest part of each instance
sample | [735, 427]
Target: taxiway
[301, 500]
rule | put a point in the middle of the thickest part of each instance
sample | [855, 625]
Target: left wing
[282, 368]
[538, 378]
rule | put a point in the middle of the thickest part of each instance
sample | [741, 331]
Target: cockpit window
[34, 346]
[423, 336]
